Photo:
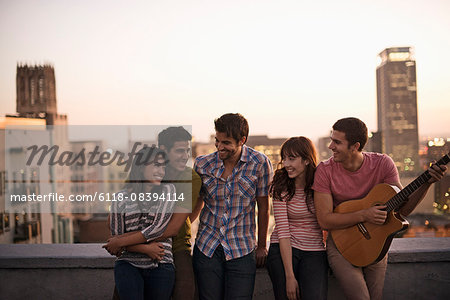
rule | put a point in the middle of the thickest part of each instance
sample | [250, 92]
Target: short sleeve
[322, 183]
[390, 171]
[264, 178]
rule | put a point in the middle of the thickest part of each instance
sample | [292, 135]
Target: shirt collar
[244, 153]
[243, 158]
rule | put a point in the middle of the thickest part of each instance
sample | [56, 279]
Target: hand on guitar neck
[437, 172]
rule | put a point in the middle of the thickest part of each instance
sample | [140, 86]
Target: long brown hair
[283, 187]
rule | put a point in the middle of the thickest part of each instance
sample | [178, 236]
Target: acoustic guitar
[365, 243]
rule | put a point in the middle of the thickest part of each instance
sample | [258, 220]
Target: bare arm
[119, 239]
[263, 223]
[329, 220]
[414, 199]
[153, 250]
[115, 244]
[141, 248]
[292, 289]
[436, 172]
[176, 221]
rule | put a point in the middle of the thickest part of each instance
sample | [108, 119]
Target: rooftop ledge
[19, 256]
[419, 268]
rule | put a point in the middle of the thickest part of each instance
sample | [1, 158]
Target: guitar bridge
[364, 231]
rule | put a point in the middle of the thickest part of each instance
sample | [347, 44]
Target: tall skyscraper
[397, 108]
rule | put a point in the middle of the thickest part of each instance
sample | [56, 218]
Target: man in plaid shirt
[235, 179]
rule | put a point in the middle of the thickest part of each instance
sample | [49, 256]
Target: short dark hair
[234, 125]
[170, 135]
[355, 131]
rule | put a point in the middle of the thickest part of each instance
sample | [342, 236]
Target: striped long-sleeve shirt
[149, 217]
[293, 220]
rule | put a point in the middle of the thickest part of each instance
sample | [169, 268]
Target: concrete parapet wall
[419, 268]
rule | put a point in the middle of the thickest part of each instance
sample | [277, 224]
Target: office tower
[397, 108]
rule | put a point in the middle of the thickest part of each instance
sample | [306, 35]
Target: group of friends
[229, 191]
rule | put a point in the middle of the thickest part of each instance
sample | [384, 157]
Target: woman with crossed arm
[143, 271]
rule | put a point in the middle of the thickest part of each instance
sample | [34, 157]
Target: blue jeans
[218, 278]
[137, 283]
[310, 270]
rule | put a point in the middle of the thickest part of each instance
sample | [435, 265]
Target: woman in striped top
[297, 261]
[143, 271]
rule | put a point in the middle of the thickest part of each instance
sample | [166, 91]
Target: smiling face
[228, 147]
[179, 154]
[295, 167]
[342, 151]
[155, 171]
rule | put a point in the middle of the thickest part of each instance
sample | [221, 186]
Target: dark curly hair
[283, 187]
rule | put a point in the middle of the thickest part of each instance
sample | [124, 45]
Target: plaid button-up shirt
[228, 217]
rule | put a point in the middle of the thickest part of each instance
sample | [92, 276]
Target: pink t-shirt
[343, 185]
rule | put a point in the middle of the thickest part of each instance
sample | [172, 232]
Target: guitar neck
[397, 201]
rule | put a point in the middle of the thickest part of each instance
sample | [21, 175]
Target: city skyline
[291, 68]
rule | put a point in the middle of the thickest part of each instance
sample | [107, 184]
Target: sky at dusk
[290, 67]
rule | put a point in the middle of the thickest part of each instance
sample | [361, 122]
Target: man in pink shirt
[348, 175]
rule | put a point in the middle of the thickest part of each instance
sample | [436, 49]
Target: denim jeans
[137, 283]
[218, 278]
[310, 270]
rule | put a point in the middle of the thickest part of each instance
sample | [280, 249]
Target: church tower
[36, 93]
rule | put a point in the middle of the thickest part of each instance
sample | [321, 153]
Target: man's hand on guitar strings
[375, 214]
[436, 172]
